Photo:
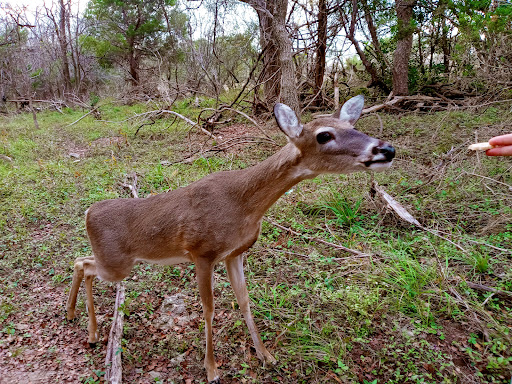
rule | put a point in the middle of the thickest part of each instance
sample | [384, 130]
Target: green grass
[404, 314]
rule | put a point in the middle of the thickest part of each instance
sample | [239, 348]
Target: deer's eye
[324, 137]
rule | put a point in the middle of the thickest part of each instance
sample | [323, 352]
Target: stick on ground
[113, 363]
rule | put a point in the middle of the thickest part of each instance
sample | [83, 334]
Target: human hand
[503, 145]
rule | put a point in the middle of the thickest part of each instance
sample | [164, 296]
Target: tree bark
[403, 48]
[321, 48]
[134, 63]
[63, 42]
[278, 74]
[288, 81]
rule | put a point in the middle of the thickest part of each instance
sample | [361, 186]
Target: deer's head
[332, 144]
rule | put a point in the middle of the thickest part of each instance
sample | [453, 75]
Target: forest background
[100, 97]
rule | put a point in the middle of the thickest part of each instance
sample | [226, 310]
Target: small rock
[178, 359]
[173, 311]
[154, 375]
[74, 154]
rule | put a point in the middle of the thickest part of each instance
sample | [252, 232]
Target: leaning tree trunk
[350, 30]
[403, 47]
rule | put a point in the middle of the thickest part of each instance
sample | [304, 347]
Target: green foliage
[131, 29]
[346, 212]
[401, 314]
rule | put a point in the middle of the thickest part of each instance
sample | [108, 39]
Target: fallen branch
[87, 114]
[222, 147]
[189, 121]
[393, 204]
[396, 207]
[485, 288]
[160, 111]
[315, 239]
[113, 363]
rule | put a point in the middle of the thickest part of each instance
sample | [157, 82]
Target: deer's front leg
[235, 268]
[204, 272]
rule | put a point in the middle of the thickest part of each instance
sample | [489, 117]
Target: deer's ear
[287, 121]
[351, 110]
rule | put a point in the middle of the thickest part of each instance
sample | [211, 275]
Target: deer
[218, 217]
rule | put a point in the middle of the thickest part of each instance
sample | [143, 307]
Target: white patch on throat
[302, 172]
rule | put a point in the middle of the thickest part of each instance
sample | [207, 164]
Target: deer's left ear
[351, 110]
[287, 121]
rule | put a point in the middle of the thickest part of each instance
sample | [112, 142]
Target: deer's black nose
[387, 150]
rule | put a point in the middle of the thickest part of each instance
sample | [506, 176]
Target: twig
[489, 178]
[113, 363]
[489, 103]
[338, 246]
[244, 115]
[189, 121]
[87, 114]
[132, 187]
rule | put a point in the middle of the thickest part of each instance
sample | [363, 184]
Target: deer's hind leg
[89, 275]
[78, 276]
[85, 269]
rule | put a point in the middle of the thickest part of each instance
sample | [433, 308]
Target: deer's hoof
[215, 381]
[92, 345]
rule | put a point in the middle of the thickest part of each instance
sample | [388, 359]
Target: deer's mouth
[383, 161]
[378, 165]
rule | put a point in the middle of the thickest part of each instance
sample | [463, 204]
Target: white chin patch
[377, 167]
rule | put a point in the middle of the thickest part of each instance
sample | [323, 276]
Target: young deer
[218, 217]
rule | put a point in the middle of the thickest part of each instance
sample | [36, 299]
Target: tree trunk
[321, 49]
[73, 49]
[134, 63]
[278, 74]
[376, 80]
[421, 59]
[445, 45]
[288, 94]
[63, 42]
[403, 47]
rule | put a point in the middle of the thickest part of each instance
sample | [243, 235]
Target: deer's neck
[270, 179]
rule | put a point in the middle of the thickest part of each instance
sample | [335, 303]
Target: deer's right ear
[287, 121]
[351, 110]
